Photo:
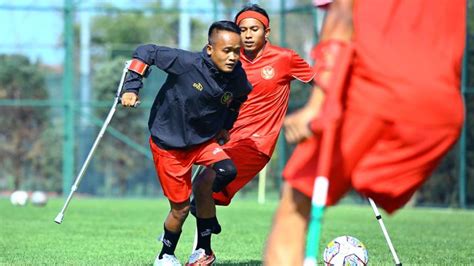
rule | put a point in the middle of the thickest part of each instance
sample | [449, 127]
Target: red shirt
[261, 116]
[408, 60]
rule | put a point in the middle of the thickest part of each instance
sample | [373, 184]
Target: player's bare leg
[205, 218]
[172, 231]
[202, 189]
[286, 242]
[178, 213]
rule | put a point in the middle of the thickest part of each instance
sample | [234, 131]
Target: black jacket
[196, 102]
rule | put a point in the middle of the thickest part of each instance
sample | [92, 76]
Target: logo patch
[267, 72]
[198, 86]
[217, 150]
[227, 98]
[206, 232]
[167, 242]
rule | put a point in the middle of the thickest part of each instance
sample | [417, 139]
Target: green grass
[124, 232]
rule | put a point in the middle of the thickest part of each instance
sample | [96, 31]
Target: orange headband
[253, 14]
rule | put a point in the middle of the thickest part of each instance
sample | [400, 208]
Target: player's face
[225, 50]
[253, 35]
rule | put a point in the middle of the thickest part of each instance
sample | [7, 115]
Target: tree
[22, 137]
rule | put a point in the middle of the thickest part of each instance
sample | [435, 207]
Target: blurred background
[60, 64]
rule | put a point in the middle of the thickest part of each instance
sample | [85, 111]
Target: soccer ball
[345, 250]
[39, 198]
[19, 198]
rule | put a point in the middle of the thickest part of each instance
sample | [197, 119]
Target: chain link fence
[52, 111]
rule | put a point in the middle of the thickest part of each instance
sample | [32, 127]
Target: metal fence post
[68, 84]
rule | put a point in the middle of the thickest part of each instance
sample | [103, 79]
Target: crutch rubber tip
[309, 262]
[59, 218]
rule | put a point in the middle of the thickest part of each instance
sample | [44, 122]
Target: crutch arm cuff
[138, 66]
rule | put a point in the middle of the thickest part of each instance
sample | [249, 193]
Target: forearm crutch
[332, 112]
[385, 233]
[60, 216]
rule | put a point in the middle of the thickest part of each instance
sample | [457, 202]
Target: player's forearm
[338, 24]
[315, 100]
[133, 82]
[145, 54]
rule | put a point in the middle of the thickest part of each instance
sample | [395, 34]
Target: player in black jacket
[196, 105]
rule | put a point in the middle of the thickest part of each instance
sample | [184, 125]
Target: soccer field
[124, 232]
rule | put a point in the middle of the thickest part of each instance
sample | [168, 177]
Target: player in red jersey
[403, 109]
[270, 69]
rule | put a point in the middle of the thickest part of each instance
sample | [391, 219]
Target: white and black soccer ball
[39, 198]
[19, 198]
[346, 250]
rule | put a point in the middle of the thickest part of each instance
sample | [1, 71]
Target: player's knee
[180, 214]
[225, 173]
[203, 182]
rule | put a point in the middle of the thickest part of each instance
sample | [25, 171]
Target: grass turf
[124, 232]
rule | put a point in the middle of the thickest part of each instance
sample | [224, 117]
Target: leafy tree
[23, 151]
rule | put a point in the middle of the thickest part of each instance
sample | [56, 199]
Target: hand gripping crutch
[385, 233]
[60, 216]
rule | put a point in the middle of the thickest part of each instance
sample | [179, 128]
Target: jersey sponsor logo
[217, 150]
[198, 86]
[267, 72]
[227, 98]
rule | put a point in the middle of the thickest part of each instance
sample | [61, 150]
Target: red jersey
[261, 116]
[408, 57]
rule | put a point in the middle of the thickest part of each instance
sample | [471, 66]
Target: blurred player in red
[403, 109]
[270, 69]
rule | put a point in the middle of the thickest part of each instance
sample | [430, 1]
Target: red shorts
[387, 161]
[174, 167]
[248, 160]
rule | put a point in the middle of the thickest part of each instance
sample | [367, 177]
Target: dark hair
[253, 7]
[224, 25]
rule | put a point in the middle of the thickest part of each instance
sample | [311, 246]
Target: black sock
[216, 227]
[170, 240]
[204, 227]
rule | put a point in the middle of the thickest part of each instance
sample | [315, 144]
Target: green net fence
[60, 64]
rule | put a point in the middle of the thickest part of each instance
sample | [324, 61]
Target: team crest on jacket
[198, 86]
[227, 98]
[268, 72]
